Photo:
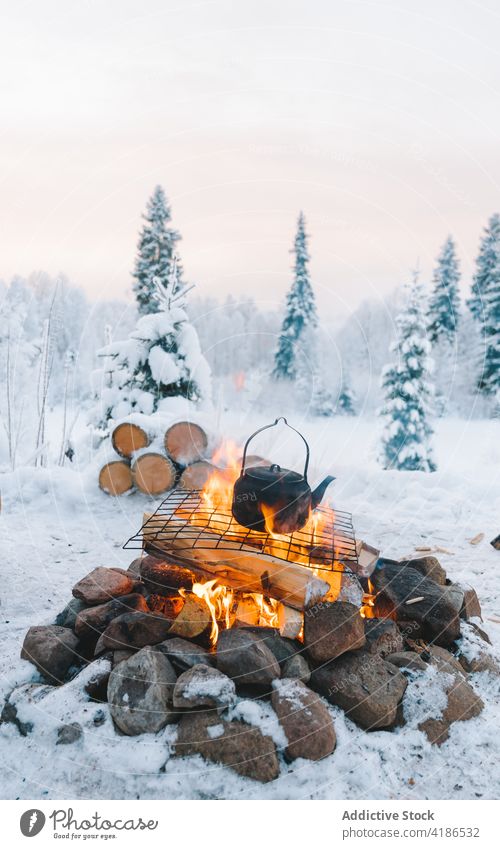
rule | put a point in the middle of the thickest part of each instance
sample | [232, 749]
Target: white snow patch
[215, 731]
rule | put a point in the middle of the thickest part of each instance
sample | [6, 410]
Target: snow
[219, 688]
[56, 526]
[164, 368]
[215, 731]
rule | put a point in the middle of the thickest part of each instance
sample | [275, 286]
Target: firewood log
[115, 478]
[186, 442]
[244, 567]
[290, 621]
[127, 438]
[153, 473]
[193, 619]
[196, 475]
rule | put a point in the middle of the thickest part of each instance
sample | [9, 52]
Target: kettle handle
[266, 427]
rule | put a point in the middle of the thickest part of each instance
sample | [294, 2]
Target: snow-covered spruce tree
[296, 339]
[408, 390]
[346, 400]
[155, 252]
[486, 263]
[161, 359]
[489, 381]
[444, 302]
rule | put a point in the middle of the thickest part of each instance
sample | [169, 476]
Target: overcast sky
[381, 120]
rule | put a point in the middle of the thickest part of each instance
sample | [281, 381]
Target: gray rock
[429, 567]
[241, 747]
[140, 692]
[331, 629]
[183, 654]
[480, 632]
[103, 584]
[97, 681]
[481, 662]
[52, 649]
[67, 617]
[283, 648]
[245, 658]
[463, 703]
[471, 607]
[383, 637]
[305, 719]
[296, 667]
[455, 595]
[22, 695]
[436, 612]
[122, 654]
[443, 660]
[135, 567]
[133, 630]
[365, 686]
[203, 686]
[99, 718]
[407, 660]
[95, 620]
[69, 734]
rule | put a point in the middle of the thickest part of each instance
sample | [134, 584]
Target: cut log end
[128, 438]
[196, 475]
[115, 478]
[153, 473]
[186, 443]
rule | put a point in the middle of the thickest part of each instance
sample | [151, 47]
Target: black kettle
[272, 498]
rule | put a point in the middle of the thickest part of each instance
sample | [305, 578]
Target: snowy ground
[55, 527]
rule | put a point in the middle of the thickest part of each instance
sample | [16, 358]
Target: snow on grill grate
[333, 543]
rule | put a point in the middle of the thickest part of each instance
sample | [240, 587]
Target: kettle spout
[318, 493]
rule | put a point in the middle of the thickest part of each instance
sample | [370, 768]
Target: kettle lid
[273, 474]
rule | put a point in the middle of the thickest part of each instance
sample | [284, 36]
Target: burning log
[290, 621]
[247, 611]
[127, 438]
[186, 442]
[193, 619]
[153, 473]
[115, 478]
[246, 568]
[196, 475]
[165, 578]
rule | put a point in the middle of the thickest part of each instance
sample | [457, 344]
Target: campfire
[195, 547]
[214, 612]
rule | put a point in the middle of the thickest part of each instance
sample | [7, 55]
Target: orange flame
[221, 603]
[239, 380]
[367, 608]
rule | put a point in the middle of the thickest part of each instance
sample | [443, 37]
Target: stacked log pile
[156, 458]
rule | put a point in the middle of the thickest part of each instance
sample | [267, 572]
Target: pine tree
[155, 251]
[296, 340]
[486, 263]
[160, 360]
[406, 438]
[322, 403]
[346, 401]
[444, 303]
[489, 381]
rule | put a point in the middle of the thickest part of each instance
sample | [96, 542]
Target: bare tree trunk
[44, 375]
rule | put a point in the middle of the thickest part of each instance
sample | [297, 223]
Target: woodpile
[156, 462]
[115, 478]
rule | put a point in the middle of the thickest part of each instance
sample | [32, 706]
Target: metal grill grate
[205, 528]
